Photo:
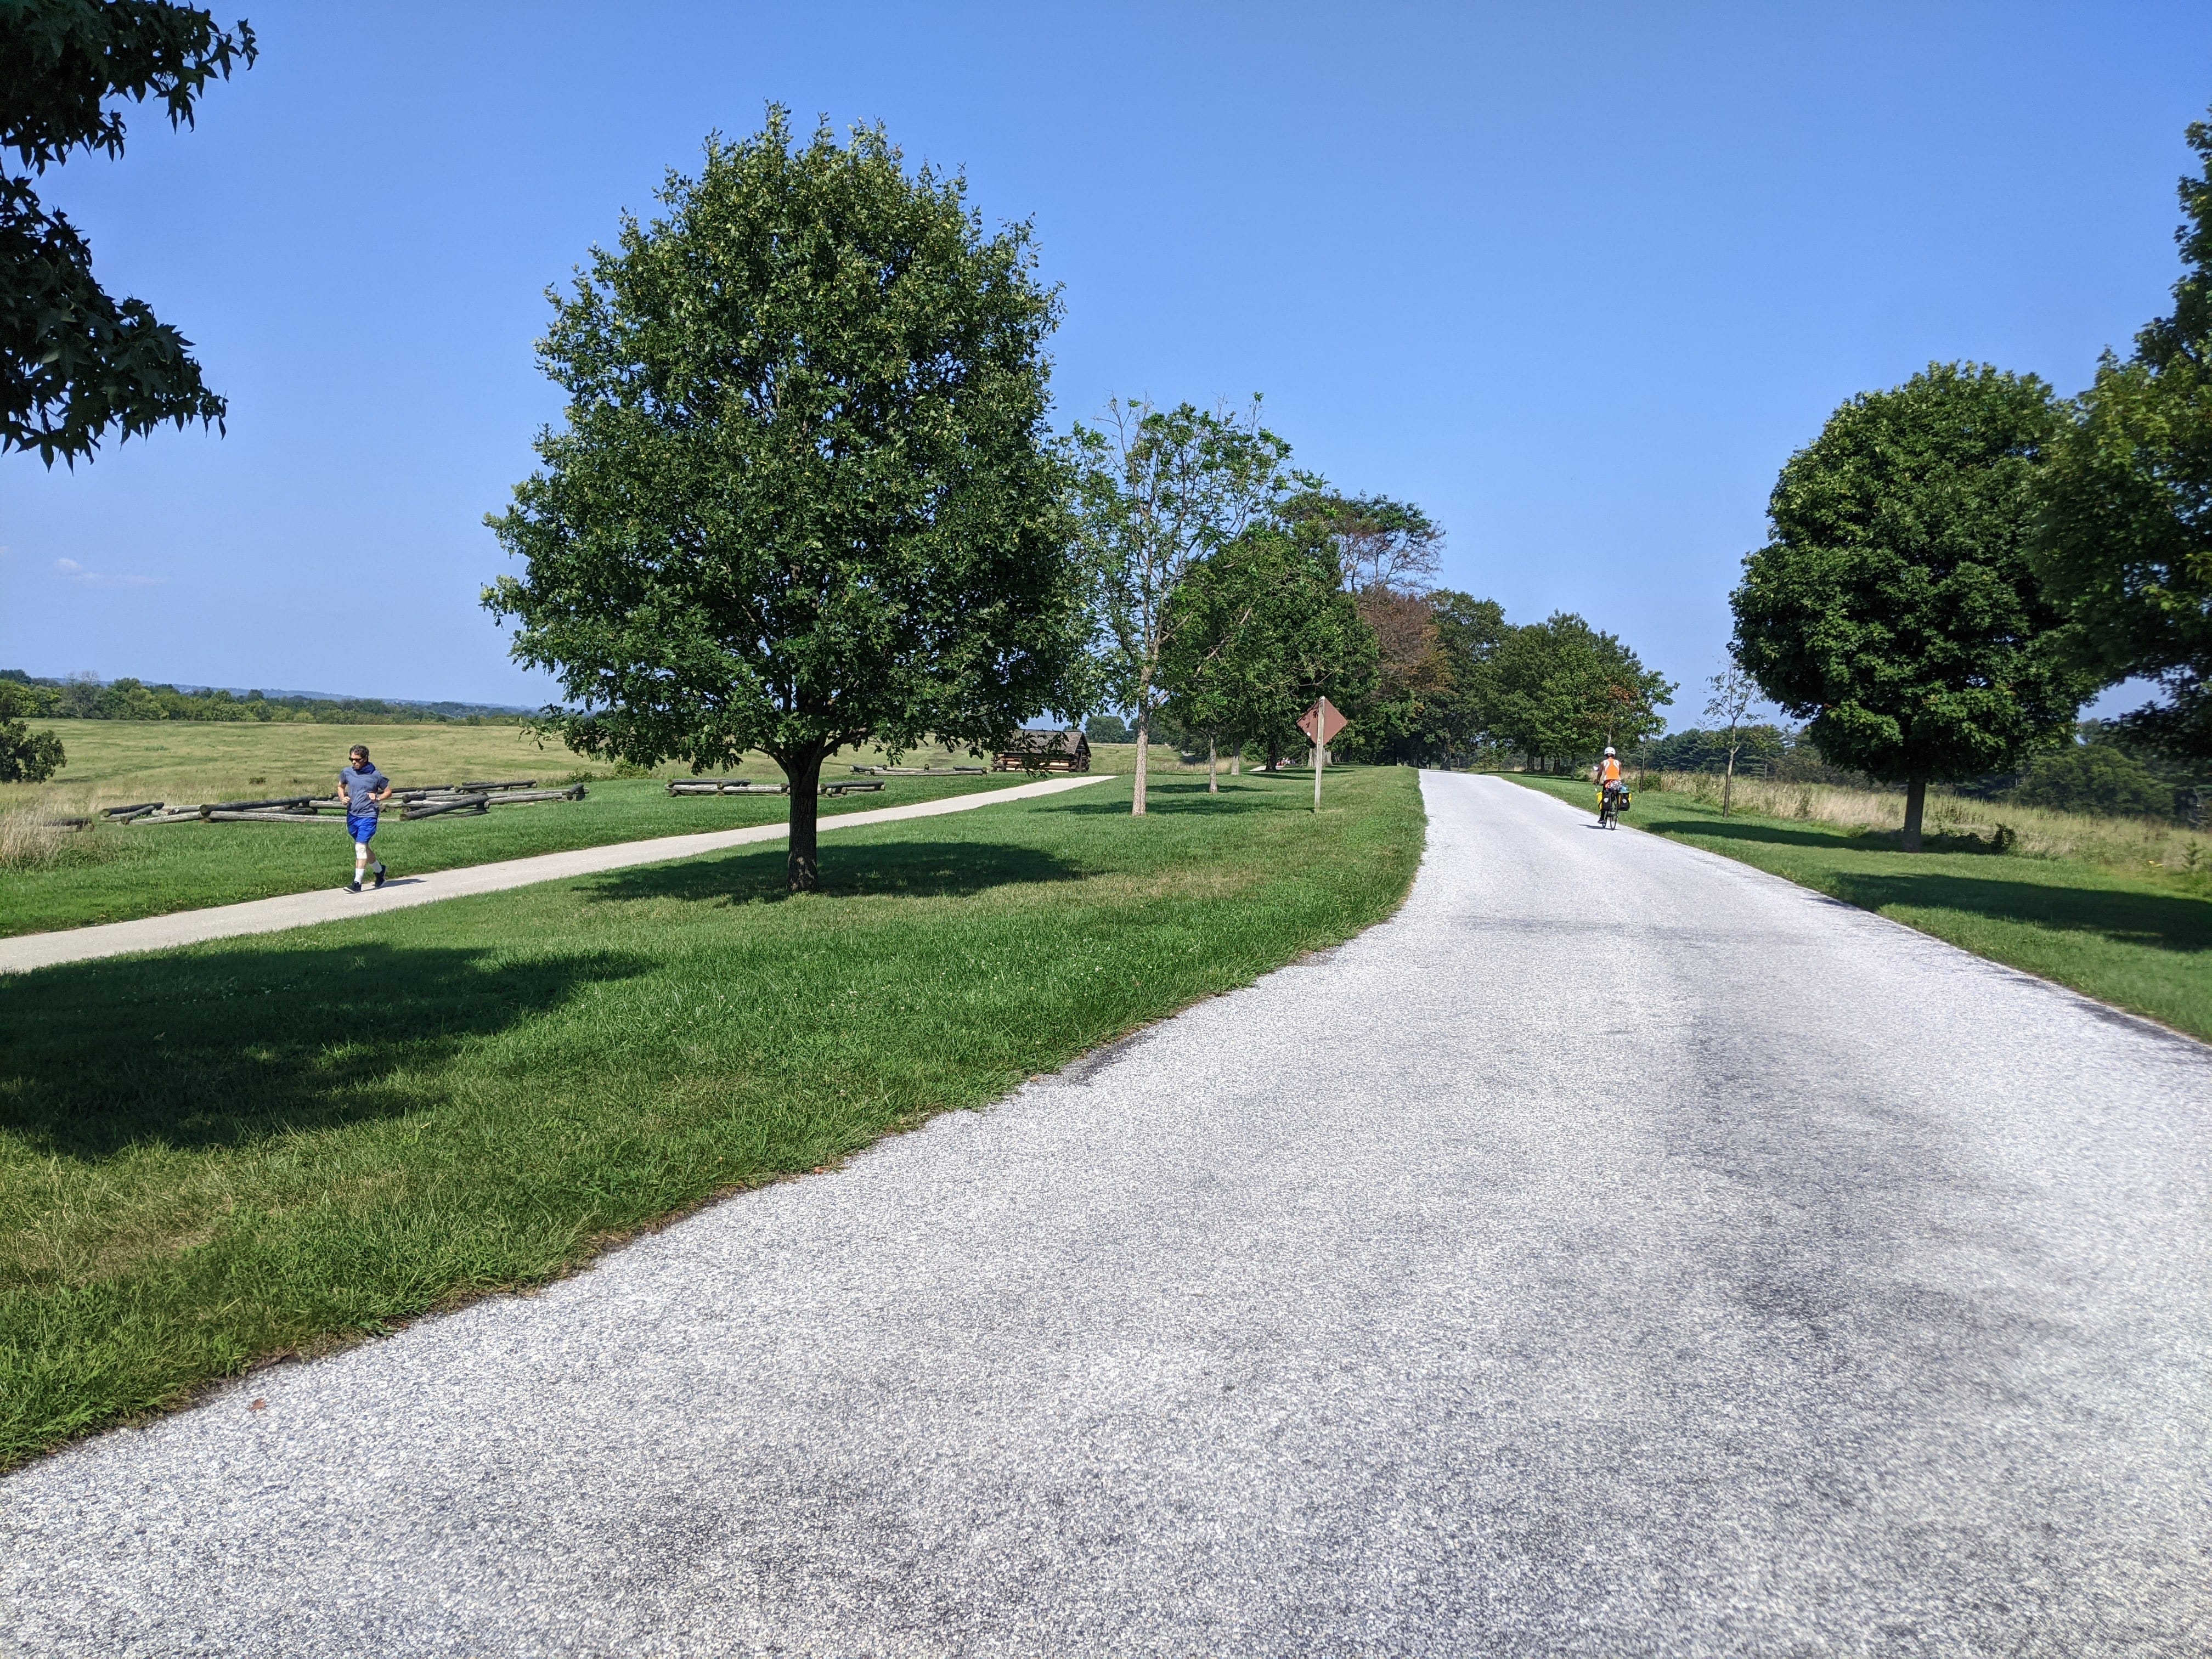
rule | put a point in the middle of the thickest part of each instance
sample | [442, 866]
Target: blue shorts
[361, 829]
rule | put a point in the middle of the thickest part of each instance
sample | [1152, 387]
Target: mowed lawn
[2142, 944]
[213, 1156]
[117, 873]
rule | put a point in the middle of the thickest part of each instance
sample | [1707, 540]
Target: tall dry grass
[2135, 845]
[33, 837]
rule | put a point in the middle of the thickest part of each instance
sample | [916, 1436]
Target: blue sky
[1577, 278]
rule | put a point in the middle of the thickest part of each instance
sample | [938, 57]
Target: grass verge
[212, 1157]
[112, 873]
[2142, 942]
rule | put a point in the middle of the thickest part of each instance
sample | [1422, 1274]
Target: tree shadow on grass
[1245, 794]
[901, 869]
[231, 1048]
[2162, 921]
[1834, 840]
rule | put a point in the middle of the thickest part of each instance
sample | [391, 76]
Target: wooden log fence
[432, 809]
[924, 771]
[435, 800]
[220, 816]
[285, 803]
[725, 786]
[751, 787]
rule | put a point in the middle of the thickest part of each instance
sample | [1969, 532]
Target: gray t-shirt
[357, 784]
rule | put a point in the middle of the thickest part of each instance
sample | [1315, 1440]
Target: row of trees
[1234, 591]
[1956, 564]
[805, 498]
[23, 696]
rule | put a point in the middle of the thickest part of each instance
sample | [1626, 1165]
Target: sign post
[1320, 723]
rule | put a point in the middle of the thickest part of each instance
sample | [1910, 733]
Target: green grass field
[116, 873]
[2140, 942]
[112, 761]
[213, 1156]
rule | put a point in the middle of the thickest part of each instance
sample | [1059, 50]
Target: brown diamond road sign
[1322, 722]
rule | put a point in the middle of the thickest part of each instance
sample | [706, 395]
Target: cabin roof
[1032, 740]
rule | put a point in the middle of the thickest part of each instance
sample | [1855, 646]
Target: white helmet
[1608, 754]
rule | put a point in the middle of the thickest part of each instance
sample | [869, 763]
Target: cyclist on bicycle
[1609, 784]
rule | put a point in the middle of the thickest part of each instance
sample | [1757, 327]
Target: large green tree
[1894, 605]
[75, 361]
[1560, 690]
[1385, 551]
[1258, 630]
[1159, 490]
[2125, 540]
[804, 497]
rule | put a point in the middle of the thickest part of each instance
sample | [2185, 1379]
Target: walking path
[272, 916]
[1619, 1253]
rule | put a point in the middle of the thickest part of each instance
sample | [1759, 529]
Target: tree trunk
[1144, 749]
[1916, 803]
[1728, 784]
[1237, 760]
[802, 870]
[1212, 768]
[1275, 756]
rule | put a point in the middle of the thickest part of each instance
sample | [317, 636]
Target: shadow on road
[230, 1047]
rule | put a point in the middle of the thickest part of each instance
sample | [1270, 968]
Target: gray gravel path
[1621, 1252]
[26, 952]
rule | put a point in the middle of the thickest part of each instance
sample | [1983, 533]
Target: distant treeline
[23, 696]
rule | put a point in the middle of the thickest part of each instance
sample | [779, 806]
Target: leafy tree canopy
[25, 756]
[1560, 690]
[1430, 706]
[28, 756]
[2125, 541]
[1894, 605]
[2093, 777]
[804, 496]
[74, 361]
[1378, 542]
[1159, 490]
[1258, 629]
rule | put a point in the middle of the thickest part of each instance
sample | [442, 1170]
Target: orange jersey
[1610, 772]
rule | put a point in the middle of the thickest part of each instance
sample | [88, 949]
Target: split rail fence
[429, 801]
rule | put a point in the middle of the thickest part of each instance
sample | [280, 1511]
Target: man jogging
[363, 788]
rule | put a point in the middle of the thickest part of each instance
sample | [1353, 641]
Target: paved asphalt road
[1620, 1253]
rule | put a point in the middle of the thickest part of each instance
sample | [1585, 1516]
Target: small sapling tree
[1208, 615]
[804, 496]
[1734, 692]
[1894, 606]
[1157, 491]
